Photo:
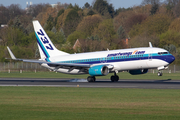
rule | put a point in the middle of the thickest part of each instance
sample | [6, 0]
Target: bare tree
[173, 2]
[177, 9]
[3, 13]
[38, 8]
[133, 20]
[15, 10]
[152, 2]
[155, 5]
[170, 4]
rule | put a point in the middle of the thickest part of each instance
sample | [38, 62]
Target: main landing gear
[114, 78]
[160, 73]
[91, 79]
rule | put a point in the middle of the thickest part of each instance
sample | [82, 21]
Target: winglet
[11, 54]
[150, 45]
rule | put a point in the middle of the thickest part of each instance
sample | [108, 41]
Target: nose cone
[170, 59]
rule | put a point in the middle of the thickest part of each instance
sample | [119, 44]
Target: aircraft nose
[170, 59]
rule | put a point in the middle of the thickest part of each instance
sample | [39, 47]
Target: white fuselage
[121, 60]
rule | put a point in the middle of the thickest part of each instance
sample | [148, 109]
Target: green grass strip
[122, 75]
[57, 103]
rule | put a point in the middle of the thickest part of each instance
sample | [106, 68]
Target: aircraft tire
[160, 73]
[91, 79]
[114, 78]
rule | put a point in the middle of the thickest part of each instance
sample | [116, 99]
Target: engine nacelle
[138, 72]
[98, 70]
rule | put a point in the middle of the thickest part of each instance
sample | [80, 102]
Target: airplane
[134, 60]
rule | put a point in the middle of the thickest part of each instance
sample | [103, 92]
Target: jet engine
[99, 70]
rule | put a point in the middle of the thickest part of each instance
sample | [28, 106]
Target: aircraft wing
[54, 64]
[49, 63]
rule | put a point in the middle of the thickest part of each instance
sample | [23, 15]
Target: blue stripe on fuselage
[128, 58]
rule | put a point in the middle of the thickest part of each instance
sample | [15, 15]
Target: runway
[144, 84]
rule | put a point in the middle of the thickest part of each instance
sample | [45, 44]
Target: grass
[44, 103]
[122, 75]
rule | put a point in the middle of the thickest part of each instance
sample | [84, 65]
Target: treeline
[97, 27]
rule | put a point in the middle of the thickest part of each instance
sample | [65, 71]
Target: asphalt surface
[145, 84]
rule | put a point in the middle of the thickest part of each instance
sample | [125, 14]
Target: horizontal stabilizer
[11, 54]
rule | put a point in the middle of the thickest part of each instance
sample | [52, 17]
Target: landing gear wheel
[114, 78]
[91, 79]
[160, 73]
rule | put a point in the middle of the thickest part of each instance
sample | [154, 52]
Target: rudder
[45, 45]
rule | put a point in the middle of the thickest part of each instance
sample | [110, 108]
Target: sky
[116, 3]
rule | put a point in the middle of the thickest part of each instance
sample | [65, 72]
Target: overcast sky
[116, 3]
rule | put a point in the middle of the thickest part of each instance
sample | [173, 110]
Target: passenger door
[150, 56]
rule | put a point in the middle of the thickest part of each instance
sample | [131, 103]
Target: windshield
[162, 53]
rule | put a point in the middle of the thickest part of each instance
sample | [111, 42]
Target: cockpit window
[162, 53]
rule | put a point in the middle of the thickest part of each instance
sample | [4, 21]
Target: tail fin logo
[45, 40]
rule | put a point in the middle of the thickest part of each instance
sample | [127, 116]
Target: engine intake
[99, 70]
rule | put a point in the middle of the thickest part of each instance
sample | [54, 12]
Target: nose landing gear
[160, 73]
